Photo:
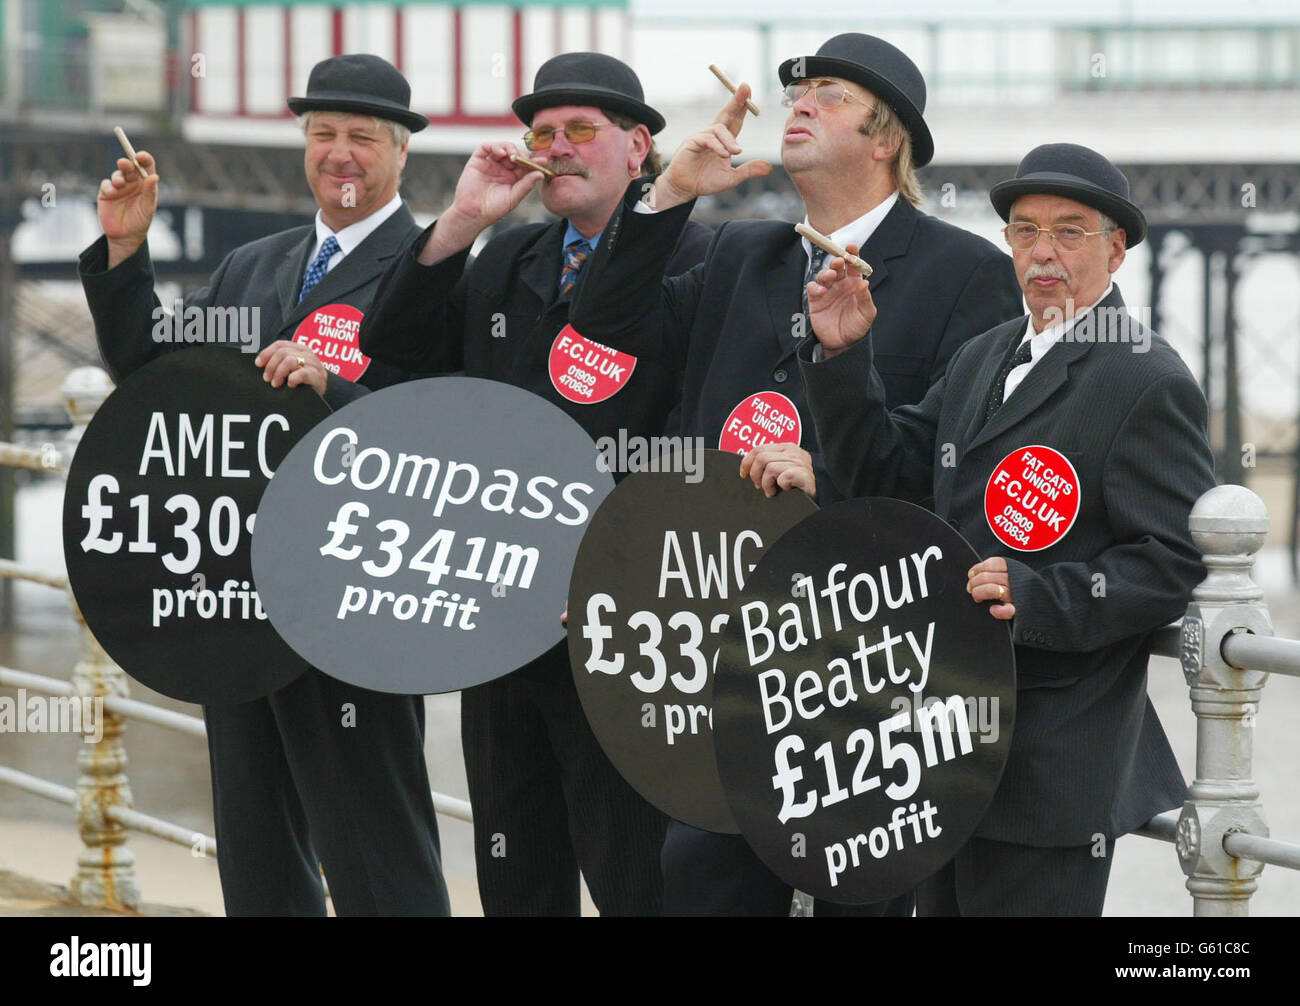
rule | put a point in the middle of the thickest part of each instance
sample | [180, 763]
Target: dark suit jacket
[498, 316]
[266, 274]
[732, 318]
[1088, 755]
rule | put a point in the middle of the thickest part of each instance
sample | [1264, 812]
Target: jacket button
[780, 376]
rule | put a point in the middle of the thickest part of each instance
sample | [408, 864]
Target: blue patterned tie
[575, 253]
[316, 271]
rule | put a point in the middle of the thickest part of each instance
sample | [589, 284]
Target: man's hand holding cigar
[840, 308]
[127, 204]
[491, 185]
[702, 164]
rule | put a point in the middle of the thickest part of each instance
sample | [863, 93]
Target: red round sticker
[1032, 498]
[586, 372]
[765, 418]
[331, 333]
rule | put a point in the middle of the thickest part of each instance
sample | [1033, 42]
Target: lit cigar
[130, 151]
[827, 245]
[533, 165]
[731, 87]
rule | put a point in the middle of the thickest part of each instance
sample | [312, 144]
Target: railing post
[106, 867]
[1228, 524]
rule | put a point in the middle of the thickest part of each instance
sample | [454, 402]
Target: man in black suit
[854, 136]
[296, 784]
[1089, 761]
[547, 802]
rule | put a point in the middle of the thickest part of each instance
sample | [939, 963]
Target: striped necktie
[316, 271]
[816, 262]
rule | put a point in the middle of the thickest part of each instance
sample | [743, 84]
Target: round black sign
[158, 516]
[659, 571]
[863, 715]
[421, 540]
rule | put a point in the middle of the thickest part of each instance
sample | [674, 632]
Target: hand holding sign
[774, 467]
[989, 581]
[285, 362]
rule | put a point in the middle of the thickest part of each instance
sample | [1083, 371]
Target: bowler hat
[1067, 169]
[880, 68]
[588, 78]
[361, 83]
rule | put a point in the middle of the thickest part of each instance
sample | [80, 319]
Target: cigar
[827, 245]
[731, 87]
[130, 151]
[533, 165]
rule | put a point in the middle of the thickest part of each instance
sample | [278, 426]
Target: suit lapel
[890, 240]
[364, 263]
[540, 265]
[1048, 374]
[288, 277]
[972, 421]
[784, 284]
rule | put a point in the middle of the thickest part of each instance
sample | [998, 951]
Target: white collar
[353, 234]
[1041, 342]
[857, 232]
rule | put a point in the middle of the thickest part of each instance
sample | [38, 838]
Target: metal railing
[1227, 649]
[105, 876]
[1225, 644]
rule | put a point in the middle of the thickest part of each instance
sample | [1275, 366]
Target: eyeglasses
[827, 93]
[1067, 237]
[576, 131]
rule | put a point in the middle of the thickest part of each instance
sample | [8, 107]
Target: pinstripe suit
[1088, 757]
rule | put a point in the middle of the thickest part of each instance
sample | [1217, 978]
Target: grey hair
[1105, 223]
[396, 130]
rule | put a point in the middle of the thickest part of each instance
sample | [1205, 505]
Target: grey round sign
[421, 539]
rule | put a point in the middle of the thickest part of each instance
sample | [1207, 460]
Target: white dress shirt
[1041, 342]
[859, 231]
[353, 234]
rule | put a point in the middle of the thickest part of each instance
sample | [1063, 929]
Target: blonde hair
[884, 124]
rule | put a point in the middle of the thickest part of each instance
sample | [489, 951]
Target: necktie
[316, 271]
[997, 392]
[575, 254]
[815, 264]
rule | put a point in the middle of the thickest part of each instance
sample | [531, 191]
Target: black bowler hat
[360, 83]
[880, 68]
[588, 78]
[1067, 169]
